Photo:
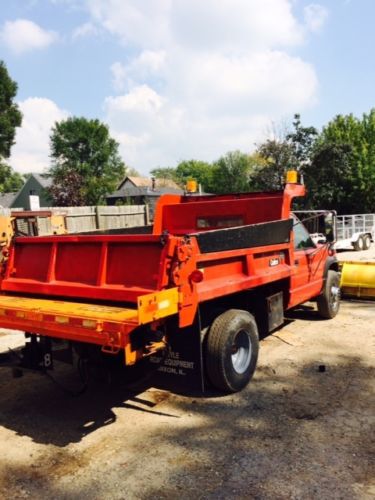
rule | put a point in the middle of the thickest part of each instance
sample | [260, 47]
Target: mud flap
[35, 355]
[180, 367]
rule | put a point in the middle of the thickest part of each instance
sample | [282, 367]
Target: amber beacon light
[191, 186]
[292, 177]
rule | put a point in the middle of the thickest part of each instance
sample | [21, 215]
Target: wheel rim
[241, 352]
[360, 243]
[335, 296]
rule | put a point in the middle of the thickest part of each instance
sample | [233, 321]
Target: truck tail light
[196, 276]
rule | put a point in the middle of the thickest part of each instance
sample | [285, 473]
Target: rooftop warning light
[191, 186]
[292, 177]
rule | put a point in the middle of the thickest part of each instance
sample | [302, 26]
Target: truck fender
[330, 264]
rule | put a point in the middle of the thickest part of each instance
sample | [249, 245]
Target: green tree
[342, 170]
[86, 165]
[293, 151]
[302, 139]
[10, 115]
[10, 119]
[131, 172]
[328, 179]
[198, 170]
[10, 181]
[275, 158]
[164, 173]
[232, 172]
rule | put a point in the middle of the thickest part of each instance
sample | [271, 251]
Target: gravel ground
[364, 255]
[295, 432]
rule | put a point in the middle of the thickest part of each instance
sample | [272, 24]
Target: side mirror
[330, 226]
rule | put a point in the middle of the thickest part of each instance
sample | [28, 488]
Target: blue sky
[182, 79]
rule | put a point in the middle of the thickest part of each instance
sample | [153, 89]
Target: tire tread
[323, 301]
[216, 344]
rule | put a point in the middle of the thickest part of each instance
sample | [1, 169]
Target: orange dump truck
[190, 294]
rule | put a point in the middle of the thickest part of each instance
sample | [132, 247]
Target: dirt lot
[296, 432]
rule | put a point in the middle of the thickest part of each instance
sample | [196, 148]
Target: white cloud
[196, 23]
[140, 99]
[234, 24]
[85, 30]
[262, 81]
[23, 35]
[119, 73]
[144, 23]
[202, 78]
[148, 63]
[32, 148]
[315, 16]
[224, 105]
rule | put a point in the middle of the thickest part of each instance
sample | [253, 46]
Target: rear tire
[359, 244]
[232, 350]
[329, 301]
[366, 242]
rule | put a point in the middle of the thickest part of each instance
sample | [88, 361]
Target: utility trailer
[355, 231]
[189, 296]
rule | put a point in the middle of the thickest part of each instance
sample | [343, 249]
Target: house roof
[19, 198]
[142, 182]
[6, 199]
[132, 191]
[44, 181]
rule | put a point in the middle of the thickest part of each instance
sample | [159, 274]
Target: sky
[184, 79]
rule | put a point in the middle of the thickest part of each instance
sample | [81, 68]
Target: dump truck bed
[86, 288]
[114, 268]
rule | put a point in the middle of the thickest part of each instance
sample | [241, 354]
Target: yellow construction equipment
[358, 279]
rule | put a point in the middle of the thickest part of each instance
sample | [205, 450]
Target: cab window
[302, 237]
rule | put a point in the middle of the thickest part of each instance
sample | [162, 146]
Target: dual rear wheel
[232, 343]
[232, 350]
[362, 243]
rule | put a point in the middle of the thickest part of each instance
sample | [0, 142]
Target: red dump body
[203, 247]
[102, 267]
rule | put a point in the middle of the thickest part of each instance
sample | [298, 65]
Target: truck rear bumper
[100, 324]
[97, 324]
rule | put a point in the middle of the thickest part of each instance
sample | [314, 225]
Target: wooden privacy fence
[80, 219]
[84, 219]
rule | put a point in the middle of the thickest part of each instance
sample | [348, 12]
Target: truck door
[308, 265]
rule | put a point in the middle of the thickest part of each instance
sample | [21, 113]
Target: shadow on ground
[305, 434]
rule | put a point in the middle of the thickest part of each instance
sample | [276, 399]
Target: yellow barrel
[358, 279]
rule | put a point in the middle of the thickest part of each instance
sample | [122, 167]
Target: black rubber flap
[180, 368]
[254, 235]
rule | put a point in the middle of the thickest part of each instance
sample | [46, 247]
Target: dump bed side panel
[211, 214]
[114, 268]
[247, 257]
